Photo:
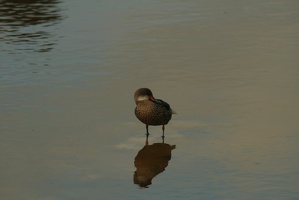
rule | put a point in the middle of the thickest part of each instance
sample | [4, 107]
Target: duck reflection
[150, 161]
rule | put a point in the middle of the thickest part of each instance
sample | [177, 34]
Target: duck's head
[143, 94]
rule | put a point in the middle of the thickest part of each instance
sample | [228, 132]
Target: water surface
[69, 70]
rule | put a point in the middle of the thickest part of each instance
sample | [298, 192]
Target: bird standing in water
[151, 111]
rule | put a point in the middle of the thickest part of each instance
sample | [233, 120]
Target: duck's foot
[147, 133]
[162, 138]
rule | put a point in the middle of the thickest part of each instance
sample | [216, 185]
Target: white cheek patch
[143, 98]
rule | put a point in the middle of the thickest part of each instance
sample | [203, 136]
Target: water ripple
[23, 25]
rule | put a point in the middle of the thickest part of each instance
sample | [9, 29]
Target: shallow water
[69, 71]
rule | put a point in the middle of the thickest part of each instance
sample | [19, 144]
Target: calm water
[68, 73]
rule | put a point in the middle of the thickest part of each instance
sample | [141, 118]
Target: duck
[151, 111]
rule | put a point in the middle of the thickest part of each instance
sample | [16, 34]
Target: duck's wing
[162, 103]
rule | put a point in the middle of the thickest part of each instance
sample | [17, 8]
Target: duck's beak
[152, 98]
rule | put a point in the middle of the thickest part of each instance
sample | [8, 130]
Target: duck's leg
[146, 141]
[163, 128]
[147, 133]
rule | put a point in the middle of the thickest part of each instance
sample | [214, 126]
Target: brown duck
[151, 111]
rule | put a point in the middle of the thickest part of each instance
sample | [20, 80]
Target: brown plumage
[151, 111]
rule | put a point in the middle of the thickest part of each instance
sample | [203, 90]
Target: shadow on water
[24, 22]
[150, 161]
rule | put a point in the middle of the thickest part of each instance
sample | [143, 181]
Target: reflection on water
[23, 23]
[150, 161]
